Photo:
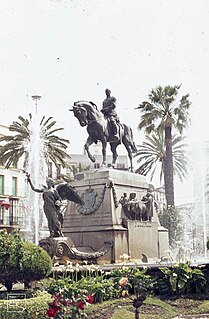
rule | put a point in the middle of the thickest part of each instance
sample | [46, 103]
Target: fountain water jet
[36, 165]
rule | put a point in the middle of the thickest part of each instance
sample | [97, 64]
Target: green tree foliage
[152, 152]
[10, 254]
[20, 260]
[171, 219]
[16, 145]
[162, 113]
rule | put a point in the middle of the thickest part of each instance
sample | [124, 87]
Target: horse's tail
[128, 133]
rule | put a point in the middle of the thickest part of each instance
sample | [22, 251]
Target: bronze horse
[88, 115]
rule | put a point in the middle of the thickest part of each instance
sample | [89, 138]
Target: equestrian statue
[104, 126]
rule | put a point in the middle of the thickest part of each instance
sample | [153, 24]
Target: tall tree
[161, 113]
[151, 154]
[171, 219]
[16, 145]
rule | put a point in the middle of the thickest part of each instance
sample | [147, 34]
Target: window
[14, 186]
[1, 184]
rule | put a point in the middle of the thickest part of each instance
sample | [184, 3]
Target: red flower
[64, 302]
[54, 304]
[51, 312]
[90, 299]
[80, 305]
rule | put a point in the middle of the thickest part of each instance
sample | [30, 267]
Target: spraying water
[36, 167]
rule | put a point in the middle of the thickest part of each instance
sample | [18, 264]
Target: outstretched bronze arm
[31, 185]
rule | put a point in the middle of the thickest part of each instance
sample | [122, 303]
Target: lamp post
[36, 98]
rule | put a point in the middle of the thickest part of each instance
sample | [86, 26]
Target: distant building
[12, 194]
[159, 194]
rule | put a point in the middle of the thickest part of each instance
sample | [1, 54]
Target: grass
[121, 314]
[152, 308]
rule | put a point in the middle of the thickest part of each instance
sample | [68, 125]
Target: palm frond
[151, 154]
[16, 145]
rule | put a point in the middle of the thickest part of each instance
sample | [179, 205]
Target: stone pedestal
[143, 239]
[101, 219]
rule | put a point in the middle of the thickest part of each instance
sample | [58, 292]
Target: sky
[70, 50]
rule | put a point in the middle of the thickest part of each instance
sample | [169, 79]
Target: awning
[5, 204]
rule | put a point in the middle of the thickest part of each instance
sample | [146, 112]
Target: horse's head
[86, 112]
[80, 113]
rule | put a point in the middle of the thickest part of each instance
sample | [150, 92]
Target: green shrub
[138, 279]
[198, 282]
[36, 263]
[180, 279]
[20, 260]
[25, 308]
[100, 287]
[10, 255]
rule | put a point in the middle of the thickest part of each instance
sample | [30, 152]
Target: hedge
[25, 308]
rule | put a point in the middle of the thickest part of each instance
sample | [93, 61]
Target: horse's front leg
[131, 163]
[86, 146]
[113, 147]
[130, 155]
[104, 153]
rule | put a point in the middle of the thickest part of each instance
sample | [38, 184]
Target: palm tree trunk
[168, 168]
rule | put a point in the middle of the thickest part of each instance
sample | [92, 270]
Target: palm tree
[161, 113]
[151, 156]
[16, 145]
